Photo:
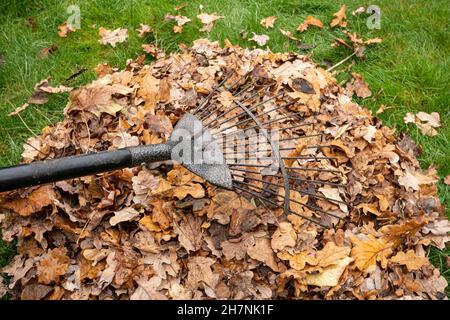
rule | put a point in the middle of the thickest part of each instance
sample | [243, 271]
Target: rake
[250, 146]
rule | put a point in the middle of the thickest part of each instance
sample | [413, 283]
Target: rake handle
[36, 173]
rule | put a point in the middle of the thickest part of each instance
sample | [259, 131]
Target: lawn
[408, 72]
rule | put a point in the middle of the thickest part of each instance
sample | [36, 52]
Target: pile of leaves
[160, 232]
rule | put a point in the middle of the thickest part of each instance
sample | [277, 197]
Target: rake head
[261, 147]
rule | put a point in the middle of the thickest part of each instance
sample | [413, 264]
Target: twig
[340, 62]
[29, 129]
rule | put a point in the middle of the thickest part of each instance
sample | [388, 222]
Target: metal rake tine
[203, 118]
[261, 114]
[281, 149]
[280, 206]
[294, 168]
[250, 109]
[314, 195]
[335, 184]
[264, 123]
[203, 103]
[229, 110]
[284, 139]
[312, 208]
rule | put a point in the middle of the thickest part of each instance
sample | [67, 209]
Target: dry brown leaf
[339, 17]
[260, 39]
[125, 214]
[208, 20]
[410, 260]
[367, 252]
[359, 86]
[41, 197]
[447, 180]
[328, 277]
[284, 236]
[143, 30]
[112, 37]
[52, 266]
[190, 233]
[263, 252]
[268, 22]
[288, 35]
[310, 21]
[64, 29]
[427, 123]
[358, 10]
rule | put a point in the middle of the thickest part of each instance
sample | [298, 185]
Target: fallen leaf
[143, 30]
[208, 20]
[410, 260]
[45, 52]
[328, 277]
[261, 40]
[38, 199]
[288, 35]
[284, 236]
[268, 22]
[310, 21]
[367, 252]
[64, 29]
[112, 37]
[125, 214]
[35, 291]
[339, 17]
[263, 252]
[359, 86]
[190, 233]
[52, 265]
[359, 10]
[447, 180]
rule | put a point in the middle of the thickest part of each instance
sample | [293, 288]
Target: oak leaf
[339, 17]
[367, 252]
[52, 265]
[310, 21]
[268, 22]
[410, 260]
[112, 37]
[34, 202]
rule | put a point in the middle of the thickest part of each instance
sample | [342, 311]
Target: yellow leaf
[329, 277]
[367, 252]
[331, 254]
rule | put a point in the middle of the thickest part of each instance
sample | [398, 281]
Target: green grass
[410, 66]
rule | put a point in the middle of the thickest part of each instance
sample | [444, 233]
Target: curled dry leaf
[310, 21]
[339, 17]
[208, 20]
[288, 35]
[268, 22]
[34, 202]
[64, 29]
[410, 260]
[40, 94]
[427, 123]
[125, 214]
[359, 86]
[143, 30]
[358, 10]
[112, 37]
[260, 39]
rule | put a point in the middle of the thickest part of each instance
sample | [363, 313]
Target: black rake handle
[36, 173]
